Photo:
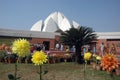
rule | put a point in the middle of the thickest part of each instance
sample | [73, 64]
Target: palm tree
[78, 37]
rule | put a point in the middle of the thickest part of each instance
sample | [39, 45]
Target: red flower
[109, 62]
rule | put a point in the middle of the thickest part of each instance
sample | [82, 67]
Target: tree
[78, 37]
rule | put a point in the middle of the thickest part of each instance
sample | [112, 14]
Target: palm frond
[82, 35]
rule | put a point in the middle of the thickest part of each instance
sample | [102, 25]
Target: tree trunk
[79, 57]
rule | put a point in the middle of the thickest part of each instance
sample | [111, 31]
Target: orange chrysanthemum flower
[109, 62]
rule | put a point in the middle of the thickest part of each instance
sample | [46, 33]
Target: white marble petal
[37, 26]
[50, 26]
[75, 24]
[65, 25]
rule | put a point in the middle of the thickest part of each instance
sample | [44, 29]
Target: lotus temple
[48, 32]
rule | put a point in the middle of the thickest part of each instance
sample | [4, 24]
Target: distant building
[108, 38]
[48, 33]
[50, 38]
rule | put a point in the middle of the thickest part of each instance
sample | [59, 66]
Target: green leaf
[45, 72]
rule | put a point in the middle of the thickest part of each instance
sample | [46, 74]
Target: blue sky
[101, 15]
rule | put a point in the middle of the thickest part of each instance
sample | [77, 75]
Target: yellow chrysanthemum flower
[87, 56]
[21, 47]
[98, 57]
[39, 57]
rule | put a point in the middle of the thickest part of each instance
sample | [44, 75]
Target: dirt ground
[58, 71]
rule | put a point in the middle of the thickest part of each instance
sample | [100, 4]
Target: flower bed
[58, 56]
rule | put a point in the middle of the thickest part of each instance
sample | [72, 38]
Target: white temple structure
[54, 22]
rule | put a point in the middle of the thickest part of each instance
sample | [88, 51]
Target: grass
[58, 71]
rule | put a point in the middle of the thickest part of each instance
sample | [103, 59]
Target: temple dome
[54, 22]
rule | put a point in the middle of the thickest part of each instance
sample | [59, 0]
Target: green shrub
[2, 55]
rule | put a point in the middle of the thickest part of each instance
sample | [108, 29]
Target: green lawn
[58, 71]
